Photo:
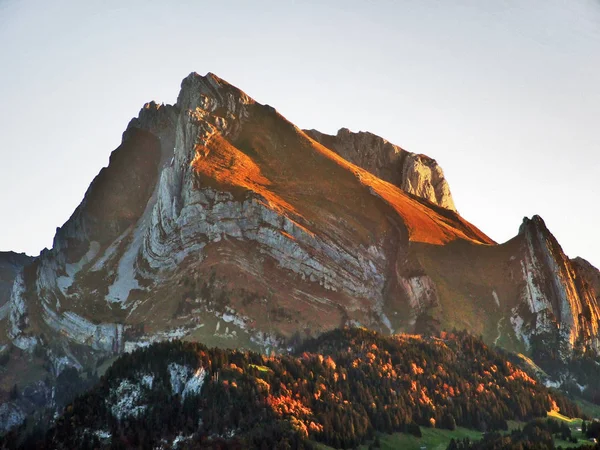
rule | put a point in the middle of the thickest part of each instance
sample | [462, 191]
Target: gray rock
[416, 174]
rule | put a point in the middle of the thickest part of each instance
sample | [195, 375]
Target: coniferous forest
[338, 389]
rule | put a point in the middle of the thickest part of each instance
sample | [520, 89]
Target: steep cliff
[562, 301]
[588, 273]
[10, 265]
[525, 294]
[416, 174]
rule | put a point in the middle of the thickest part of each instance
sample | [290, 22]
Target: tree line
[338, 389]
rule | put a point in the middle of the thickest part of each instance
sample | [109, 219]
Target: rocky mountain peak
[535, 223]
[153, 117]
[219, 220]
[564, 302]
[416, 174]
[210, 93]
[15, 258]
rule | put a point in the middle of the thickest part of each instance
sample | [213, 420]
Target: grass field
[260, 368]
[438, 439]
[433, 439]
[574, 424]
[569, 420]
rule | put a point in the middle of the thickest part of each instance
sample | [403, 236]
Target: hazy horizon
[503, 94]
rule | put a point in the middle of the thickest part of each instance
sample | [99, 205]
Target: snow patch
[238, 321]
[126, 400]
[64, 282]
[266, 341]
[194, 385]
[19, 317]
[118, 292]
[126, 280]
[185, 381]
[496, 299]
[109, 252]
[230, 316]
[10, 416]
[386, 321]
[148, 380]
[180, 439]
[102, 434]
[517, 323]
[178, 375]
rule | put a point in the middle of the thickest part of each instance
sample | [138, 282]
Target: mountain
[219, 221]
[338, 389]
[416, 174]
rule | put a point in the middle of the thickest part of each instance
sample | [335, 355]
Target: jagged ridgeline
[338, 390]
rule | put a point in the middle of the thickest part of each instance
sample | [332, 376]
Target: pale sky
[505, 94]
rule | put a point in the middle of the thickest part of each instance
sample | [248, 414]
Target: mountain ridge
[413, 173]
[219, 220]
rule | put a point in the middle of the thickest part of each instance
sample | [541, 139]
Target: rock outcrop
[416, 174]
[561, 300]
[589, 273]
[11, 264]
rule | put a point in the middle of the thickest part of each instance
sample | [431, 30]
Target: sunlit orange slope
[317, 188]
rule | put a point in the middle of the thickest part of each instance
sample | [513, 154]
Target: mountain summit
[220, 221]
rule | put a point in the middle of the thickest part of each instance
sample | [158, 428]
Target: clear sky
[505, 94]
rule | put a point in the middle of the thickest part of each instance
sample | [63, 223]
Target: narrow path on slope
[498, 327]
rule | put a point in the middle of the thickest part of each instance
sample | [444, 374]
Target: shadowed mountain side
[10, 265]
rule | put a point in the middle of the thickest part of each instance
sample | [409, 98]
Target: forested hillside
[339, 389]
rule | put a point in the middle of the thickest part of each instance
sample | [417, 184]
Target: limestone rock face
[416, 174]
[557, 293]
[11, 264]
[589, 273]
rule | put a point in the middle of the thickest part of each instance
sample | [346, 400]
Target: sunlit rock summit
[419, 175]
